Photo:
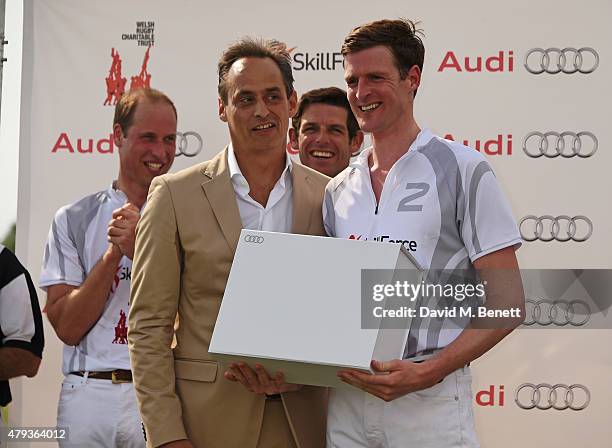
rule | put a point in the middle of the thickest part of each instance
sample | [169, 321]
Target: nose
[158, 149]
[261, 109]
[322, 137]
[362, 89]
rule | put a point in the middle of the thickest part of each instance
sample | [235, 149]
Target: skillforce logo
[122, 273]
[410, 245]
[315, 61]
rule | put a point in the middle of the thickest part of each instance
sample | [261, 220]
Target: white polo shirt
[441, 200]
[77, 240]
[277, 215]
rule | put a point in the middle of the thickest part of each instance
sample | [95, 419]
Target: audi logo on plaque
[545, 396]
[188, 144]
[574, 312]
[560, 228]
[566, 60]
[566, 144]
[253, 239]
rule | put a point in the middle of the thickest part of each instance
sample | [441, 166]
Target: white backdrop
[67, 55]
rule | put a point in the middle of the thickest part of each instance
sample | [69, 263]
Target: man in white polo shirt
[87, 271]
[442, 201]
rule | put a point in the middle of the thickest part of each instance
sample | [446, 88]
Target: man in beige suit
[185, 245]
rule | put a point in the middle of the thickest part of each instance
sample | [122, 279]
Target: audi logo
[188, 143]
[556, 60]
[565, 144]
[562, 228]
[253, 239]
[557, 312]
[558, 396]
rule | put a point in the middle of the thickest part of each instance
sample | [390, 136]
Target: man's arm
[20, 320]
[16, 362]
[73, 310]
[405, 376]
[156, 283]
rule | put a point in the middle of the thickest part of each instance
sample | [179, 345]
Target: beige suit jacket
[185, 245]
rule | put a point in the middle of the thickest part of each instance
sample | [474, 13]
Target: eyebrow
[250, 92]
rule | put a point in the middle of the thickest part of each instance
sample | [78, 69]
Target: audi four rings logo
[556, 396]
[188, 143]
[562, 228]
[557, 312]
[253, 239]
[556, 60]
[565, 144]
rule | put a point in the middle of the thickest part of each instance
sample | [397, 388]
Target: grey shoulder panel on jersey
[481, 169]
[60, 254]
[451, 200]
[78, 217]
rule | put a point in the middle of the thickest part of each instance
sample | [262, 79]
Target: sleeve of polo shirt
[61, 262]
[488, 224]
[20, 317]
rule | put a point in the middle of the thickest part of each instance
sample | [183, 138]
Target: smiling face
[379, 98]
[257, 110]
[148, 148]
[323, 139]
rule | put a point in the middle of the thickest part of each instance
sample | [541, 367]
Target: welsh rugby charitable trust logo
[123, 74]
[128, 69]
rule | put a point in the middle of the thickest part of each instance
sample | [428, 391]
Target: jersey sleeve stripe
[481, 169]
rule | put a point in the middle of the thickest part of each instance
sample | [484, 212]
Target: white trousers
[99, 414]
[438, 417]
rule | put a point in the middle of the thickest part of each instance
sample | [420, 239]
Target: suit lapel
[302, 201]
[220, 193]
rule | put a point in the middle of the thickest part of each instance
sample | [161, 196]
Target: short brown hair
[326, 95]
[126, 107]
[252, 47]
[401, 36]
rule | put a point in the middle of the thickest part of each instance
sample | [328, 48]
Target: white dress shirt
[277, 215]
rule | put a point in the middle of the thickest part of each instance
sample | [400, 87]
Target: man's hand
[122, 228]
[396, 378]
[259, 381]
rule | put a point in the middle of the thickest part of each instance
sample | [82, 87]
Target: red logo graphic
[121, 330]
[115, 82]
[495, 63]
[499, 146]
[354, 237]
[84, 146]
[487, 397]
[116, 279]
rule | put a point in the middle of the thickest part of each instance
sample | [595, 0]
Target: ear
[414, 76]
[222, 114]
[118, 136]
[356, 142]
[293, 138]
[293, 104]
